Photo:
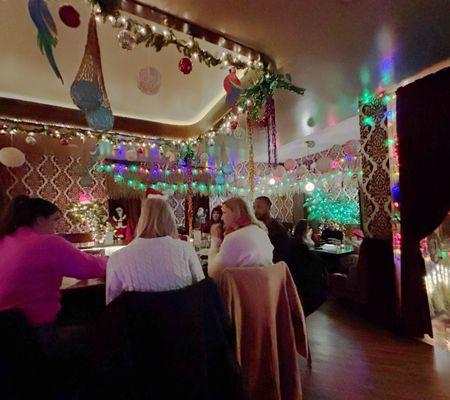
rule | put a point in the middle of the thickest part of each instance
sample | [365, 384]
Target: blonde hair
[240, 206]
[157, 219]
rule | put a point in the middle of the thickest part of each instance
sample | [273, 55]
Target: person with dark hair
[215, 224]
[331, 233]
[278, 234]
[34, 260]
[307, 269]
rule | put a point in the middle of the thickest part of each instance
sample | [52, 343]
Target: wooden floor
[354, 360]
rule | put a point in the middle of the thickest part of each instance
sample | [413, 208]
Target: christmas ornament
[11, 157]
[335, 164]
[63, 142]
[127, 39]
[395, 193]
[149, 80]
[47, 33]
[185, 65]
[140, 150]
[69, 16]
[234, 124]
[31, 140]
[211, 142]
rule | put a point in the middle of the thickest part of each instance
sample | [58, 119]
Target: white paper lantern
[149, 80]
[11, 157]
[131, 155]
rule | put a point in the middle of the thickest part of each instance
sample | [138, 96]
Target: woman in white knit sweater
[245, 242]
[156, 260]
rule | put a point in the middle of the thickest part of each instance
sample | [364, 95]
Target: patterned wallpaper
[54, 178]
[375, 190]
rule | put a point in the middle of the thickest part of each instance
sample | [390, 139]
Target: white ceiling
[25, 73]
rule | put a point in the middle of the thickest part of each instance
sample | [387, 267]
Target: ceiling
[333, 48]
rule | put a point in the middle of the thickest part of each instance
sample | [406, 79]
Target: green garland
[254, 97]
[191, 48]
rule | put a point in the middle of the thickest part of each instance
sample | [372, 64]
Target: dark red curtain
[423, 128]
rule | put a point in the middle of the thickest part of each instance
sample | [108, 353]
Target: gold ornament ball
[127, 40]
[31, 140]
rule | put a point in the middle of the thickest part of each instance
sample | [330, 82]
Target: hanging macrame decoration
[88, 90]
[271, 129]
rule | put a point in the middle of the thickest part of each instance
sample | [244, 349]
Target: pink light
[335, 165]
[84, 199]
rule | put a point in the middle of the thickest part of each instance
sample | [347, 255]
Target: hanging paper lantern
[127, 39]
[280, 171]
[185, 65]
[131, 155]
[149, 80]
[86, 95]
[351, 147]
[31, 140]
[11, 157]
[323, 164]
[69, 16]
[220, 179]
[395, 193]
[101, 119]
[290, 164]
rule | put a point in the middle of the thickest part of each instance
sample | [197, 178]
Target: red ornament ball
[185, 65]
[69, 16]
[63, 142]
[140, 150]
[234, 124]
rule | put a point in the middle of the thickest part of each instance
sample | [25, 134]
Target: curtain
[423, 124]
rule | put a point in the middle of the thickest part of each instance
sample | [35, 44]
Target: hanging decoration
[251, 160]
[232, 86]
[146, 34]
[271, 129]
[12, 157]
[185, 66]
[88, 89]
[149, 80]
[126, 39]
[323, 207]
[69, 16]
[253, 99]
[30, 139]
[47, 33]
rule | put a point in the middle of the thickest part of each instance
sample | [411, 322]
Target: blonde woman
[156, 260]
[245, 242]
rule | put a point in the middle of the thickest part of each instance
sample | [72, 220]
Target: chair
[270, 329]
[167, 345]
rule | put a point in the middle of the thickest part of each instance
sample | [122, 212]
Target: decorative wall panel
[375, 190]
[56, 179]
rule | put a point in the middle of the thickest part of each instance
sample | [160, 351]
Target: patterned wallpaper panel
[57, 179]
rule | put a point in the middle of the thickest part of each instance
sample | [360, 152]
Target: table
[331, 257]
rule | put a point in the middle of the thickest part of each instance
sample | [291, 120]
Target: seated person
[278, 234]
[245, 242]
[331, 233]
[215, 222]
[34, 260]
[307, 269]
[156, 260]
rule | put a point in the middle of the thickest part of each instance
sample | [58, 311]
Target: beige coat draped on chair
[266, 311]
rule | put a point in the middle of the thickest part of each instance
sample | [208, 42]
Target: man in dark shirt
[278, 234]
[332, 233]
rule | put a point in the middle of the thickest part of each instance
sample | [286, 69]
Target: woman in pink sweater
[33, 260]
